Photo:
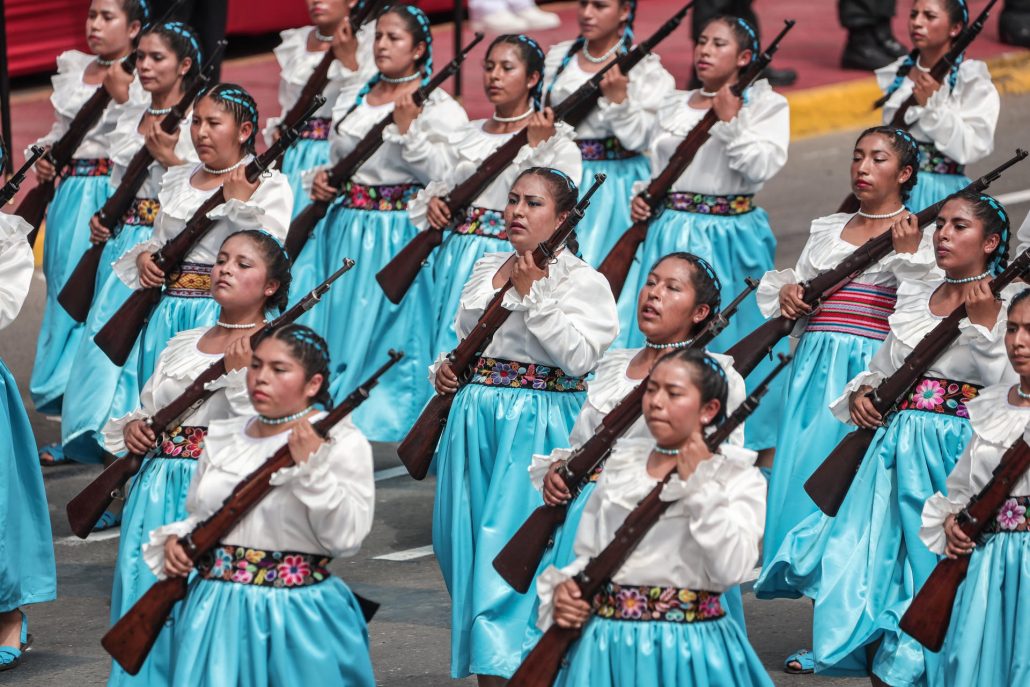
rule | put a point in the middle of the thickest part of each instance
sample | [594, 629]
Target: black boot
[888, 42]
[863, 51]
[1014, 23]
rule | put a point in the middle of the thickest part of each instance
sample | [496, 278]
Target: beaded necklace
[265, 420]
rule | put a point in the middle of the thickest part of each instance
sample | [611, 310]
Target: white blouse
[707, 540]
[741, 154]
[125, 141]
[825, 249]
[976, 357]
[649, 85]
[449, 158]
[16, 265]
[322, 507]
[179, 364]
[997, 425]
[568, 319]
[268, 209]
[297, 63]
[960, 122]
[1023, 236]
[70, 93]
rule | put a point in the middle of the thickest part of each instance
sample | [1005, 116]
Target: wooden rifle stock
[615, 266]
[417, 448]
[541, 665]
[518, 561]
[132, 637]
[929, 615]
[13, 185]
[117, 337]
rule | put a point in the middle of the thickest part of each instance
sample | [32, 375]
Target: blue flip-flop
[56, 453]
[10, 656]
[107, 521]
[804, 659]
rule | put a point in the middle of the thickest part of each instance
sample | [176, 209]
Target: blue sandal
[108, 521]
[56, 453]
[10, 656]
[804, 659]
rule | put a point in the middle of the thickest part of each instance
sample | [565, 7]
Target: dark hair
[708, 375]
[906, 149]
[184, 43]
[276, 263]
[311, 351]
[707, 287]
[1018, 298]
[564, 192]
[531, 54]
[240, 105]
[577, 45]
[995, 220]
[958, 13]
[747, 37]
[136, 10]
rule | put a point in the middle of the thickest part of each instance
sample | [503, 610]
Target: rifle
[830, 482]
[417, 448]
[518, 560]
[541, 665]
[929, 615]
[750, 350]
[616, 264]
[304, 223]
[13, 185]
[117, 337]
[397, 276]
[77, 295]
[132, 637]
[86, 508]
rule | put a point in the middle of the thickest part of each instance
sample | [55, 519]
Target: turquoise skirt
[28, 574]
[239, 635]
[607, 218]
[157, 497]
[483, 495]
[931, 187]
[623, 653]
[305, 154]
[863, 566]
[172, 315]
[66, 239]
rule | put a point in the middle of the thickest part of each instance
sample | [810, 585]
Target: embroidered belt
[182, 442]
[936, 395]
[88, 167]
[662, 604]
[1011, 517]
[142, 212]
[856, 309]
[482, 222]
[515, 375]
[316, 129]
[382, 198]
[933, 160]
[263, 568]
[597, 149]
[709, 205]
[193, 280]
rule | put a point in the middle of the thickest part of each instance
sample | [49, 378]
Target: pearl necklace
[226, 325]
[399, 79]
[707, 94]
[159, 112]
[321, 37]
[107, 63]
[966, 280]
[666, 451]
[265, 420]
[1022, 394]
[661, 347]
[223, 171]
[602, 58]
[516, 118]
[886, 215]
[920, 67]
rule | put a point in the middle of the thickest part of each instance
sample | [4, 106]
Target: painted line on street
[407, 555]
[1013, 198]
[390, 473]
[92, 538]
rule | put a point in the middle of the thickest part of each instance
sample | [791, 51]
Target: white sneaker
[501, 21]
[536, 18]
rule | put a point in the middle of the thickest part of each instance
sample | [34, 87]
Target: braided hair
[239, 104]
[708, 375]
[707, 287]
[905, 147]
[564, 192]
[995, 220]
[1018, 298]
[184, 43]
[958, 13]
[136, 10]
[277, 265]
[580, 42]
[311, 351]
[531, 54]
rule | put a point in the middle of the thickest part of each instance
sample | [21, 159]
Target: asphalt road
[410, 636]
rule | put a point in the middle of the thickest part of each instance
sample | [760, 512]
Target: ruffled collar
[228, 446]
[996, 420]
[486, 267]
[365, 116]
[71, 67]
[178, 197]
[611, 383]
[182, 360]
[677, 117]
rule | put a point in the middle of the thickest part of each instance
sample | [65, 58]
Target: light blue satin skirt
[644, 654]
[863, 567]
[172, 315]
[27, 571]
[66, 239]
[157, 497]
[607, 218]
[305, 154]
[483, 495]
[240, 635]
[931, 187]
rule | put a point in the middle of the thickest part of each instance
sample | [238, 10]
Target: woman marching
[531, 375]
[264, 609]
[111, 27]
[251, 277]
[369, 223]
[986, 639]
[863, 566]
[605, 33]
[168, 63]
[660, 620]
[298, 55]
[953, 122]
[513, 81]
[223, 129]
[28, 574]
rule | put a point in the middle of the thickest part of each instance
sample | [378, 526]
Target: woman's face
[219, 140]
[959, 241]
[239, 278]
[530, 215]
[601, 19]
[672, 405]
[276, 381]
[717, 55]
[876, 172]
[667, 308]
[929, 27]
[158, 66]
[395, 49]
[504, 76]
[1017, 338]
[108, 31]
[327, 12]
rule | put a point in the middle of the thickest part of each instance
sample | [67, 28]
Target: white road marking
[1013, 198]
[390, 473]
[92, 538]
[408, 555]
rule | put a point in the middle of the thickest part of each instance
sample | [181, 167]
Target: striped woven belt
[382, 198]
[482, 222]
[182, 442]
[316, 129]
[1011, 517]
[709, 205]
[944, 396]
[283, 569]
[597, 149]
[193, 280]
[856, 309]
[516, 375]
[933, 160]
[88, 167]
[142, 212]
[661, 604]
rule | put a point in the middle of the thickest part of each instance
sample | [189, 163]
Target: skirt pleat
[304, 154]
[607, 218]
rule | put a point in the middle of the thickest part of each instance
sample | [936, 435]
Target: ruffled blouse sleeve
[633, 120]
[756, 139]
[16, 265]
[441, 116]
